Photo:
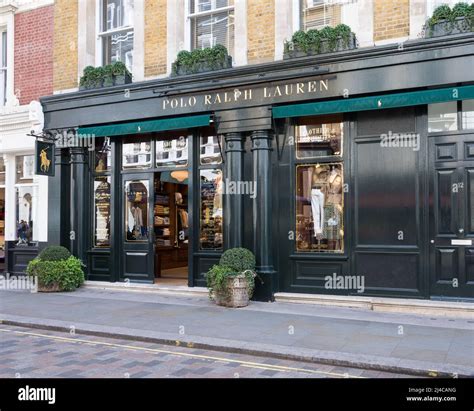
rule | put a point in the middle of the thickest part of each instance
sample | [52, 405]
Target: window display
[136, 210]
[172, 151]
[24, 213]
[319, 207]
[211, 210]
[102, 211]
[103, 156]
[210, 153]
[319, 137]
[24, 169]
[136, 155]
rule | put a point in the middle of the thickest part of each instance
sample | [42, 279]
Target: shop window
[211, 210]
[172, 150]
[117, 32]
[210, 150]
[136, 210]
[316, 14]
[136, 154]
[102, 211]
[319, 207]
[103, 155]
[24, 169]
[25, 214]
[468, 115]
[212, 23]
[319, 137]
[3, 68]
[442, 117]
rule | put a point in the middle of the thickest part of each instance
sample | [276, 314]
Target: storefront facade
[356, 163]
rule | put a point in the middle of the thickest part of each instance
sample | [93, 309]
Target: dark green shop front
[340, 168]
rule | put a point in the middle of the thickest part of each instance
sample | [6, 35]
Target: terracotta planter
[236, 294]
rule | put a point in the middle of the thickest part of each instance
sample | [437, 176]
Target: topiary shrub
[54, 253]
[238, 259]
[57, 275]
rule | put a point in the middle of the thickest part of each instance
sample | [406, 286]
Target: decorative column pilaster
[262, 212]
[77, 190]
[234, 203]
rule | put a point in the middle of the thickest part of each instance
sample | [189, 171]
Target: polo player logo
[45, 161]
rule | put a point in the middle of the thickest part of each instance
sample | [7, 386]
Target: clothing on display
[317, 206]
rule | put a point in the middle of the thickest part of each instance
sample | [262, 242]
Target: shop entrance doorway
[171, 227]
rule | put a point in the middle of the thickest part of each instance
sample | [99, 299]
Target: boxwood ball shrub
[54, 253]
[56, 270]
[238, 259]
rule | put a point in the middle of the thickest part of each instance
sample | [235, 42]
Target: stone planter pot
[123, 79]
[445, 28]
[50, 288]
[236, 294]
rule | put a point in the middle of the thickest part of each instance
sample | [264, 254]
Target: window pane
[317, 15]
[198, 6]
[117, 13]
[102, 211]
[24, 169]
[136, 155]
[209, 150]
[2, 171]
[319, 137]
[211, 210]
[24, 213]
[3, 47]
[103, 155]
[119, 47]
[136, 210]
[319, 208]
[442, 117]
[172, 151]
[217, 28]
[2, 222]
[468, 114]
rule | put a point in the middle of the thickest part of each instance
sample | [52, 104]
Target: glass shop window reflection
[136, 210]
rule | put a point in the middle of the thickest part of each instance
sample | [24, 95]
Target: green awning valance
[346, 105]
[138, 127]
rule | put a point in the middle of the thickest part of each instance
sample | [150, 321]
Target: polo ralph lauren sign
[44, 158]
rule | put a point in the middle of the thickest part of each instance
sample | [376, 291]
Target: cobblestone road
[32, 353]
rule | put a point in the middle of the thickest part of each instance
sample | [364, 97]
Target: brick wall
[65, 62]
[391, 19]
[260, 31]
[155, 37]
[34, 54]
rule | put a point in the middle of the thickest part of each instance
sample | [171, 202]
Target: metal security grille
[212, 23]
[317, 14]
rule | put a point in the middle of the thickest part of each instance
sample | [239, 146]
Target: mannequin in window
[318, 195]
[333, 230]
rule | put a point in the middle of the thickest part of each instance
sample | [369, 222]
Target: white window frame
[314, 5]
[190, 16]
[101, 33]
[4, 68]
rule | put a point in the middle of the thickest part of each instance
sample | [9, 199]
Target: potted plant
[109, 79]
[201, 61]
[120, 73]
[326, 40]
[55, 269]
[446, 21]
[231, 282]
[87, 81]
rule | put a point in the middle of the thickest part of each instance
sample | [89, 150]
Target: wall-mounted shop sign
[44, 158]
[219, 99]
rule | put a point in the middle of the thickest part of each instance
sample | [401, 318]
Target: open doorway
[171, 227]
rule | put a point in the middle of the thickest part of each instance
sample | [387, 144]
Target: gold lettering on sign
[324, 84]
[299, 88]
[311, 86]
[248, 94]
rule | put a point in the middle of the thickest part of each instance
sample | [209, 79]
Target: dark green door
[452, 216]
[137, 228]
